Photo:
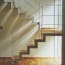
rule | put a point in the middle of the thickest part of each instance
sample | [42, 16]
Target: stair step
[4, 12]
[49, 30]
[25, 51]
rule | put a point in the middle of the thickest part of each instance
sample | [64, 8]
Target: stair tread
[49, 30]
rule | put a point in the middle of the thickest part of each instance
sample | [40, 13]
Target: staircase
[36, 43]
[15, 26]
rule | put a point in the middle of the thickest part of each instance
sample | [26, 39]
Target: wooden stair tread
[49, 30]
